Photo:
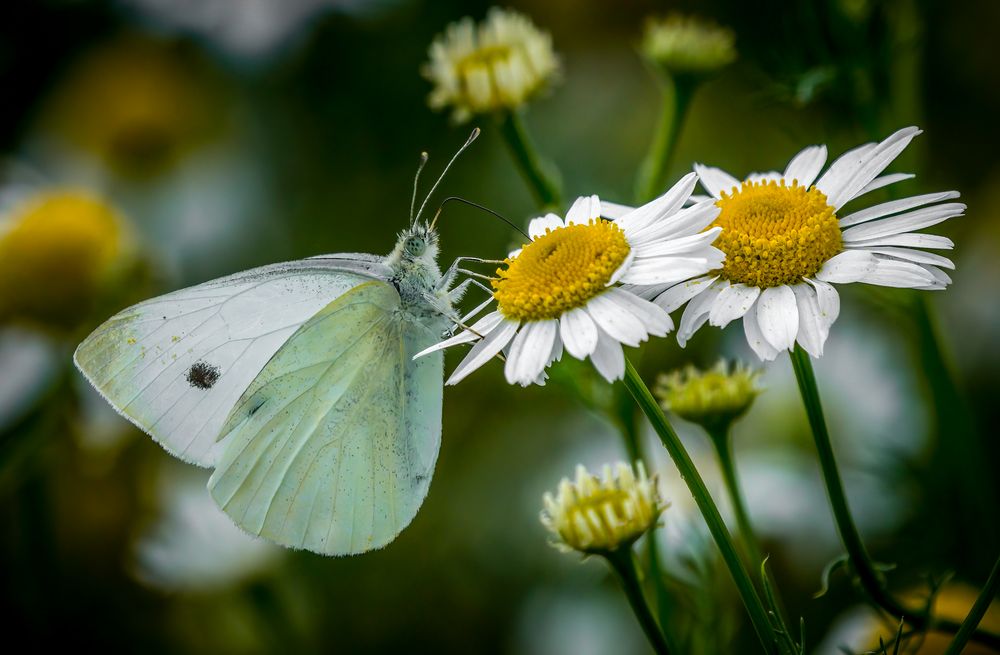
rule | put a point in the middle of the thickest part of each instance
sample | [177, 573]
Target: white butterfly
[296, 382]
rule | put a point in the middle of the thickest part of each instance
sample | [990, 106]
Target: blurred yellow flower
[601, 515]
[136, 104]
[712, 398]
[687, 45]
[58, 249]
[499, 64]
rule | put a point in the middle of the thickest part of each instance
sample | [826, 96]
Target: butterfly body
[296, 383]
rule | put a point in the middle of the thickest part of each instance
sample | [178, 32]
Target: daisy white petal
[578, 332]
[911, 240]
[895, 207]
[755, 337]
[901, 223]
[665, 271]
[829, 303]
[733, 302]
[656, 210]
[715, 180]
[696, 313]
[485, 350]
[778, 316]
[848, 266]
[690, 220]
[837, 173]
[811, 332]
[806, 165]
[683, 246]
[583, 210]
[608, 316]
[764, 177]
[482, 327]
[654, 320]
[895, 273]
[608, 358]
[675, 296]
[915, 256]
[613, 210]
[867, 169]
[529, 353]
[539, 226]
[884, 181]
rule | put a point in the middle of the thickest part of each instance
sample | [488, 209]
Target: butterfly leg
[449, 275]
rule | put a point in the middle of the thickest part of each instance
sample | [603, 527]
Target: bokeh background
[230, 134]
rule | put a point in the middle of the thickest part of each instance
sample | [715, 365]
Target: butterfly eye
[416, 246]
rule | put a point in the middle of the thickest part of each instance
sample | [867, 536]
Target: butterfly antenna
[468, 142]
[416, 180]
[479, 207]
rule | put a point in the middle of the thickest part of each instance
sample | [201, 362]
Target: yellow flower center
[486, 56]
[55, 253]
[560, 271]
[775, 234]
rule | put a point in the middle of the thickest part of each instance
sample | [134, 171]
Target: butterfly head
[419, 242]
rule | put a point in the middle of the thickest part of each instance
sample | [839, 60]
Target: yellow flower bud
[713, 398]
[600, 515]
[58, 249]
[496, 65]
[686, 45]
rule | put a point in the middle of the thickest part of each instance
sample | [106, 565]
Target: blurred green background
[233, 134]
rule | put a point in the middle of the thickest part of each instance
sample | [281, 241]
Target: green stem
[661, 150]
[758, 614]
[868, 577]
[544, 186]
[982, 604]
[748, 537]
[623, 563]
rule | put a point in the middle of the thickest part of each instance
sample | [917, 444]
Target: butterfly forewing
[333, 445]
[176, 365]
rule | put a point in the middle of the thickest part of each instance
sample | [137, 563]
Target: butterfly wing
[176, 365]
[332, 447]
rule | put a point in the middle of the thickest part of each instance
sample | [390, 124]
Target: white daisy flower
[787, 241]
[562, 288]
[499, 64]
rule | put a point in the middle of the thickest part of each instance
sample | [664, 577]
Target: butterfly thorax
[417, 277]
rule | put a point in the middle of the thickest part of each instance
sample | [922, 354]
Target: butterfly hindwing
[176, 365]
[332, 446]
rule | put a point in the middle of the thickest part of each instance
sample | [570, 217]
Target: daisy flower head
[568, 287]
[788, 240]
[597, 515]
[498, 64]
[687, 45]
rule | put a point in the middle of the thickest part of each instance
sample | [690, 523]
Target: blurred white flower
[499, 64]
[29, 363]
[242, 28]
[687, 45]
[192, 545]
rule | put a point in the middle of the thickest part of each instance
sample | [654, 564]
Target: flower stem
[748, 537]
[623, 563]
[758, 614]
[673, 109]
[868, 577]
[982, 604]
[544, 185]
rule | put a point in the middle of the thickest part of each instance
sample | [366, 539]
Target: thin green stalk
[623, 562]
[758, 614]
[544, 185]
[982, 604]
[673, 109]
[748, 537]
[868, 577]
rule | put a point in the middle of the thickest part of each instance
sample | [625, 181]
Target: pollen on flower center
[775, 234]
[560, 270]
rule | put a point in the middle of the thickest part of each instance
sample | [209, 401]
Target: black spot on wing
[203, 375]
